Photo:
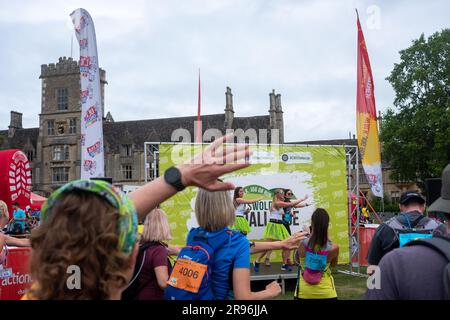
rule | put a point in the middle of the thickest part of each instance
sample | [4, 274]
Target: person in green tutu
[275, 229]
[241, 223]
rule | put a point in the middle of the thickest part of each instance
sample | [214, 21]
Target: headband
[127, 224]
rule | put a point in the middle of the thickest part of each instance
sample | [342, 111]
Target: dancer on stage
[275, 229]
[241, 223]
[288, 215]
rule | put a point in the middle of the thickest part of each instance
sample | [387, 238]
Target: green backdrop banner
[316, 171]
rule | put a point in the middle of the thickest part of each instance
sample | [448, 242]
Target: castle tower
[58, 156]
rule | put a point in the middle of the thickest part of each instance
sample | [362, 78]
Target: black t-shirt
[385, 240]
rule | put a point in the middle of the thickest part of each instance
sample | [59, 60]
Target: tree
[416, 136]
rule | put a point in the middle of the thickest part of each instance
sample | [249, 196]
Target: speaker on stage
[433, 189]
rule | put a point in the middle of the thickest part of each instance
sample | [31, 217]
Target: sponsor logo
[83, 43]
[261, 156]
[95, 149]
[91, 116]
[83, 23]
[16, 278]
[296, 157]
[88, 66]
[85, 94]
[5, 273]
[368, 90]
[89, 166]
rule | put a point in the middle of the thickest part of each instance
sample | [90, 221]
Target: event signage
[15, 178]
[316, 171]
[366, 119]
[92, 152]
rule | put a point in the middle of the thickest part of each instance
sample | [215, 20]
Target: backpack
[133, 289]
[191, 275]
[423, 228]
[441, 245]
[315, 265]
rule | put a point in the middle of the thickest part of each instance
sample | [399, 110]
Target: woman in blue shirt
[231, 274]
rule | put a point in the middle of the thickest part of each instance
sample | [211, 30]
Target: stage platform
[273, 272]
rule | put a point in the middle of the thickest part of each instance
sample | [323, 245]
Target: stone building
[54, 147]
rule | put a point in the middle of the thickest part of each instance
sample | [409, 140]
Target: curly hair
[81, 232]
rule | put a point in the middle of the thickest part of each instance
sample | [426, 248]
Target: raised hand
[205, 169]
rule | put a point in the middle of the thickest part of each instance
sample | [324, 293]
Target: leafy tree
[416, 134]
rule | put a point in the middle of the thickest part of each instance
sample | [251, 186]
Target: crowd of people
[21, 222]
[91, 224]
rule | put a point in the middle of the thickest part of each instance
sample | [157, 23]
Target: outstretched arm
[282, 204]
[287, 244]
[242, 289]
[243, 201]
[203, 171]
[22, 242]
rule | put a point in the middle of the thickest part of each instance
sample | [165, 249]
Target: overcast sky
[152, 50]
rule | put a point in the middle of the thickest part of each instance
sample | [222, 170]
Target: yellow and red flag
[366, 119]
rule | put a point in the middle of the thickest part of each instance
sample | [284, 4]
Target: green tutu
[241, 225]
[275, 231]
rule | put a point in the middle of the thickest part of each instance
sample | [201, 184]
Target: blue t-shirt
[19, 214]
[235, 254]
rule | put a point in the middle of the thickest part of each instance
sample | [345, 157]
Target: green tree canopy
[416, 133]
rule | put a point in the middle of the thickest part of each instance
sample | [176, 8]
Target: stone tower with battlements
[58, 152]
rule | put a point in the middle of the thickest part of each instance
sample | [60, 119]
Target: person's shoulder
[409, 254]
[238, 238]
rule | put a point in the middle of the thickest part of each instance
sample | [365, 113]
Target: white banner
[92, 154]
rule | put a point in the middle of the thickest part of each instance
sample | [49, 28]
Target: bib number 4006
[189, 273]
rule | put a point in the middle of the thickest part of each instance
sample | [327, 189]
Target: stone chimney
[279, 117]
[272, 109]
[229, 112]
[16, 123]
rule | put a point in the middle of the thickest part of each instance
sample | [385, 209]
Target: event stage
[273, 272]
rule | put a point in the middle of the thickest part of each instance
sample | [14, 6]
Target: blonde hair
[214, 210]
[156, 227]
[275, 198]
[4, 214]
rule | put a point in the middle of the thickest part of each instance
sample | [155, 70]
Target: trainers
[267, 262]
[256, 266]
[285, 267]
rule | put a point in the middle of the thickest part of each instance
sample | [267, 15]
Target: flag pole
[199, 133]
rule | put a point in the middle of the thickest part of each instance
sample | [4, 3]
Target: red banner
[15, 278]
[366, 119]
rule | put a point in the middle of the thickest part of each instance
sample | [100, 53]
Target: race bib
[187, 275]
[404, 238]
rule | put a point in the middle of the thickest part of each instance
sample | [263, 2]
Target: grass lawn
[348, 287]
